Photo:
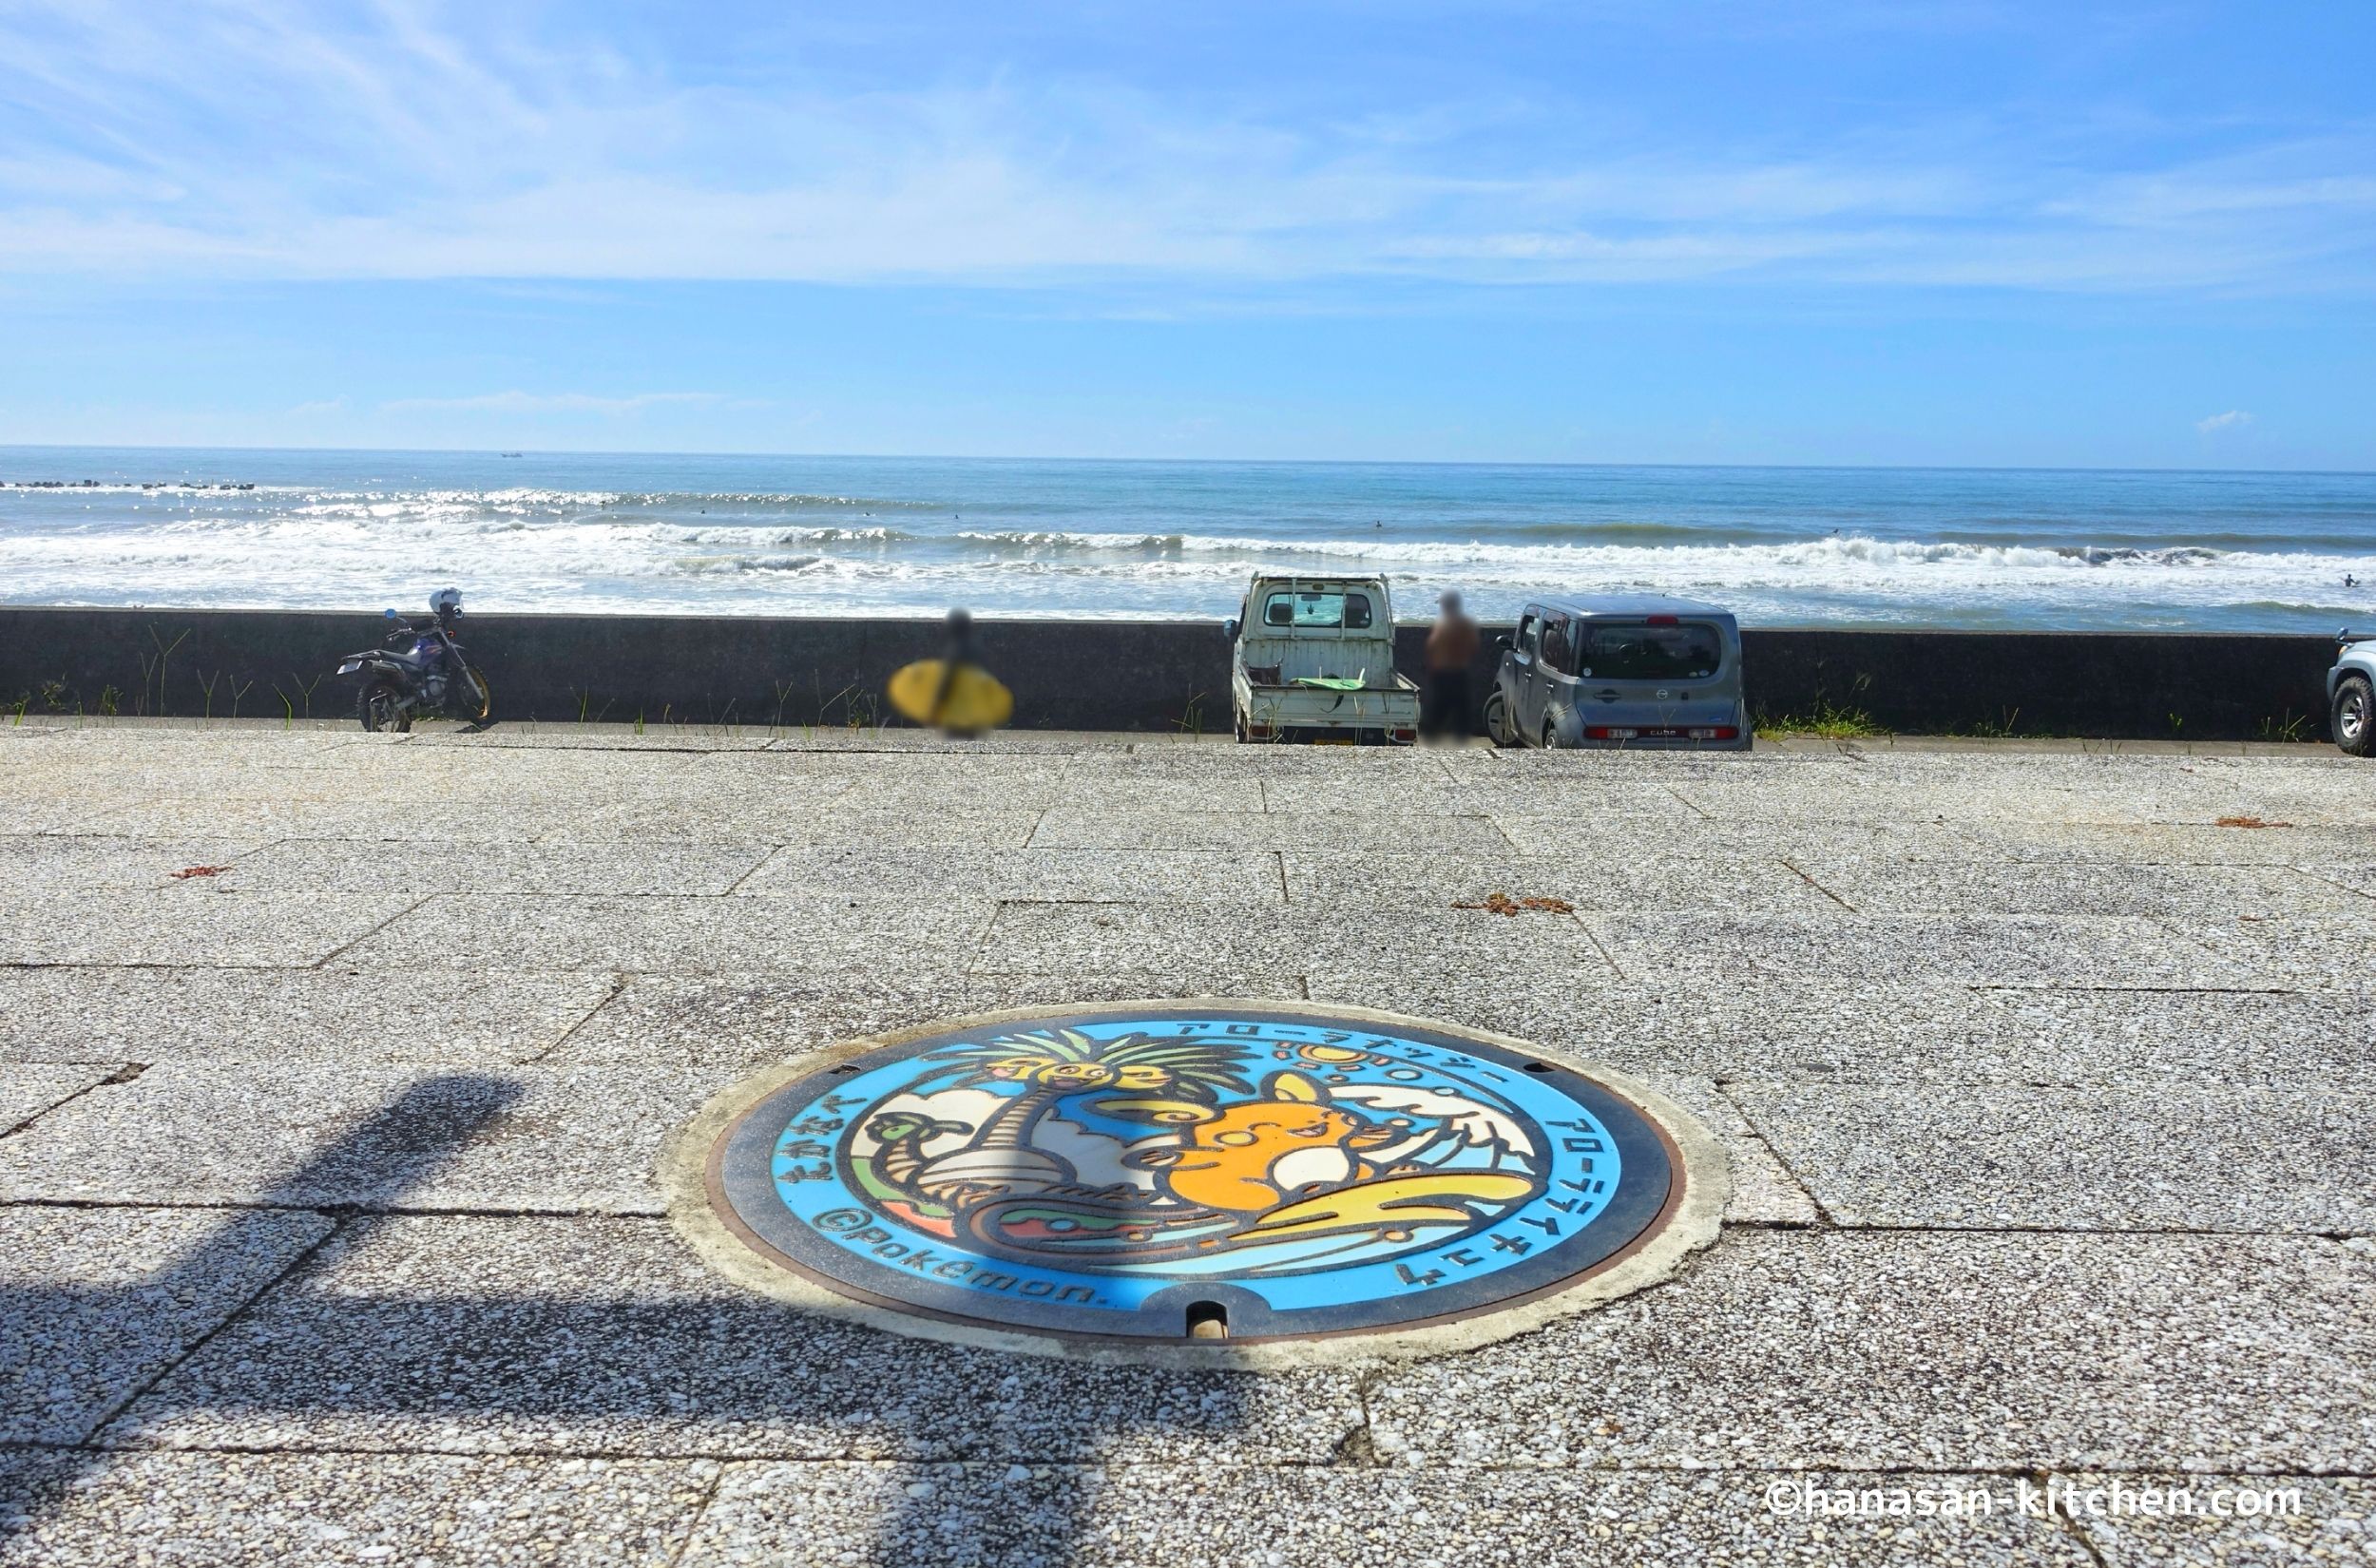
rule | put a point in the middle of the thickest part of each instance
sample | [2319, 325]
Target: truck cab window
[1320, 610]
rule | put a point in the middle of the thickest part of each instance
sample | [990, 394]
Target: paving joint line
[729, 1460]
[336, 1210]
[1689, 805]
[758, 865]
[2064, 1525]
[701, 1513]
[618, 984]
[349, 946]
[1607, 957]
[125, 1073]
[1800, 872]
[1823, 1210]
[304, 1256]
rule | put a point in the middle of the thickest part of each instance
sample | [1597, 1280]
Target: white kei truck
[1313, 661]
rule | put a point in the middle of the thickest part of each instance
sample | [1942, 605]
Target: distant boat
[508, 454]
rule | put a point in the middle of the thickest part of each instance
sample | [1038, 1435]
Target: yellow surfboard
[973, 700]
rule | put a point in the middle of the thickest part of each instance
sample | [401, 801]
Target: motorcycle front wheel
[381, 706]
[476, 699]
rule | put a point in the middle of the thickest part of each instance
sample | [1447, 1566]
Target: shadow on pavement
[592, 1365]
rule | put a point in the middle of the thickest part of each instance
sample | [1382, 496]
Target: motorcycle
[431, 677]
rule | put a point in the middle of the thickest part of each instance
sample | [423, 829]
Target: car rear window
[1320, 609]
[1621, 651]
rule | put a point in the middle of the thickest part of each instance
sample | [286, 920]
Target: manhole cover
[1245, 1172]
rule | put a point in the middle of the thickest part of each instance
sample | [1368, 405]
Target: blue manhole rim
[857, 1260]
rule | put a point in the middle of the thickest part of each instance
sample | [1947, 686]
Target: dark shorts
[1444, 703]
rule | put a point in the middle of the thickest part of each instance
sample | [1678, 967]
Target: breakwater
[1151, 676]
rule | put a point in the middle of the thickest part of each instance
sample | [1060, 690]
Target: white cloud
[256, 139]
[2233, 419]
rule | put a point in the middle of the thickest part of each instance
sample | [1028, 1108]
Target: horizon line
[523, 452]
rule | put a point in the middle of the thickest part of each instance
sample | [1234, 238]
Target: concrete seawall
[1148, 675]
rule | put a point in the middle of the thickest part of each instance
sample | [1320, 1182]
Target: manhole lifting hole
[1178, 1175]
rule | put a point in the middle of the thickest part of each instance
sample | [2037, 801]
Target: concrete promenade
[330, 1230]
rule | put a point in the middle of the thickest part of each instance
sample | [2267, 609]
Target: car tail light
[1660, 621]
[1613, 732]
[1405, 735]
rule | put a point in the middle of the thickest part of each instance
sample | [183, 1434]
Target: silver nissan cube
[1621, 672]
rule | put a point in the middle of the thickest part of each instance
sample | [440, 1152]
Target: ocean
[737, 535]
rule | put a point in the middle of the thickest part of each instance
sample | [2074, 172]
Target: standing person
[1451, 649]
[953, 693]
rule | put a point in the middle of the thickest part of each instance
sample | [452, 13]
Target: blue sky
[1924, 231]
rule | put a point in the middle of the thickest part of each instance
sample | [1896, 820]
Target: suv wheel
[1497, 720]
[2355, 715]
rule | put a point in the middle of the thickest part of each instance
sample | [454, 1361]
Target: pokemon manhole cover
[1163, 1173]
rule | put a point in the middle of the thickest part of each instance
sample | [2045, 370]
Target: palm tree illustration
[1056, 1062]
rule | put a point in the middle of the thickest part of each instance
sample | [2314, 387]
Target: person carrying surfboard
[953, 693]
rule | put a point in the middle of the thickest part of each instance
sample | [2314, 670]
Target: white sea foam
[622, 549]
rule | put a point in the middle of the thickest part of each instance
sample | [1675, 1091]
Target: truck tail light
[1258, 732]
[1406, 736]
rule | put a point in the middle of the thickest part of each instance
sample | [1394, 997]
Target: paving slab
[1248, 878]
[1419, 795]
[564, 1138]
[519, 1335]
[2277, 842]
[1887, 886]
[1587, 881]
[2131, 1037]
[46, 861]
[1332, 1517]
[2102, 951]
[1749, 1023]
[2356, 877]
[336, 865]
[187, 924]
[2289, 952]
[96, 1302]
[1762, 1192]
[1732, 836]
[1929, 1350]
[1099, 939]
[25, 1092]
[673, 935]
[986, 829]
[1069, 827]
[84, 1014]
[2171, 1155]
[2330, 1520]
[890, 791]
[750, 1021]
[298, 1510]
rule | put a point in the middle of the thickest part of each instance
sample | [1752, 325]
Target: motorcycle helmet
[446, 602]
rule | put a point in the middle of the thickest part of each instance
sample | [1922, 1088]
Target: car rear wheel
[1550, 735]
[1497, 720]
[2355, 715]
